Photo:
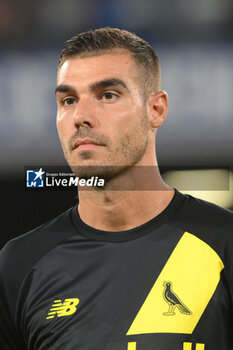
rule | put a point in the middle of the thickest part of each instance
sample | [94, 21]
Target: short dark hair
[95, 42]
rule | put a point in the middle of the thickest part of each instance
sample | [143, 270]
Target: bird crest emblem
[173, 301]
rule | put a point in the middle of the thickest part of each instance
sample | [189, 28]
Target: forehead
[118, 64]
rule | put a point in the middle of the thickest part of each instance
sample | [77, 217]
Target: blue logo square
[35, 178]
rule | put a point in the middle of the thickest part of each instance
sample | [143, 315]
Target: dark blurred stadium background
[194, 40]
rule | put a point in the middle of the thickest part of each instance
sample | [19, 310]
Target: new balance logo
[60, 309]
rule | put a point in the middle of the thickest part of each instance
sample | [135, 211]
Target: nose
[84, 113]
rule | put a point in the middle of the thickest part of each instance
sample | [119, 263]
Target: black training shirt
[164, 285]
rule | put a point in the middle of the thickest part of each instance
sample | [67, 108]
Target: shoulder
[35, 242]
[208, 222]
[20, 254]
[203, 214]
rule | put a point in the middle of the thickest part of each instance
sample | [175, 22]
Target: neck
[122, 209]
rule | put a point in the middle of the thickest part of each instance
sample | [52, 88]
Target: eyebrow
[65, 88]
[107, 83]
[93, 87]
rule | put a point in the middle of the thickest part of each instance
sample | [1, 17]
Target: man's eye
[109, 96]
[68, 101]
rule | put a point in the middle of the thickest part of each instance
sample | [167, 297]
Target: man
[135, 265]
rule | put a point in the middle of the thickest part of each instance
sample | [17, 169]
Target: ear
[157, 106]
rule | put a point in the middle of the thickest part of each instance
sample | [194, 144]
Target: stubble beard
[119, 161]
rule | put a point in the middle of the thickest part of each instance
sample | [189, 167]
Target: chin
[106, 172]
[87, 171]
